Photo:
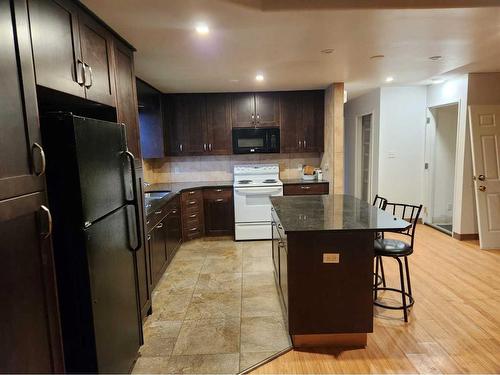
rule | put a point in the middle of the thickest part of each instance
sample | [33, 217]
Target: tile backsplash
[220, 168]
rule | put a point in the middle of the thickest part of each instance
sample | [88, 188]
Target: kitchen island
[323, 259]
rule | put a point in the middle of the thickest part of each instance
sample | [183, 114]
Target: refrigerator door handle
[135, 201]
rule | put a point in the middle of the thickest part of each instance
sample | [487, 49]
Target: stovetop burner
[244, 182]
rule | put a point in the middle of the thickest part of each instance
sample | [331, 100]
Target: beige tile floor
[215, 310]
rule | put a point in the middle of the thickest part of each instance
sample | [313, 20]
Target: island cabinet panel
[21, 153]
[219, 211]
[126, 97]
[151, 121]
[330, 282]
[306, 189]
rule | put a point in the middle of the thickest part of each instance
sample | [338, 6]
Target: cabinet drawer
[190, 195]
[193, 230]
[305, 189]
[218, 193]
[191, 214]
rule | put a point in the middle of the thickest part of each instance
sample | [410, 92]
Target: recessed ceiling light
[202, 29]
[259, 77]
[234, 80]
[435, 58]
[389, 79]
[377, 57]
[327, 50]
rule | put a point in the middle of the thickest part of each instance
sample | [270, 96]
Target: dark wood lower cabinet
[219, 211]
[31, 340]
[158, 251]
[316, 188]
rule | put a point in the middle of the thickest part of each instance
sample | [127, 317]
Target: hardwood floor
[454, 326]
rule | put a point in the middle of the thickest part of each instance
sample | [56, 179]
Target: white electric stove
[253, 185]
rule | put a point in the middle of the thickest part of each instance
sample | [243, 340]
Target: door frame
[429, 159]
[357, 155]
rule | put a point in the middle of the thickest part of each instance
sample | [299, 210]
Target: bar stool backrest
[380, 202]
[406, 212]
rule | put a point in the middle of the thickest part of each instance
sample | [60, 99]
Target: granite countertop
[332, 213]
[175, 188]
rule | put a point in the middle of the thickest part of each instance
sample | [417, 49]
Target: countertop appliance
[256, 140]
[253, 185]
[93, 199]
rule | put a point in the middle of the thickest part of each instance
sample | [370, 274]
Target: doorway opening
[441, 147]
[364, 151]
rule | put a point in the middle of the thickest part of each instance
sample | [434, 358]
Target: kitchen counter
[323, 254]
[332, 213]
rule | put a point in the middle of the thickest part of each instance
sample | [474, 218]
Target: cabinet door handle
[42, 157]
[47, 233]
[159, 226]
[149, 237]
[210, 146]
[80, 72]
[258, 118]
[174, 211]
[253, 118]
[192, 216]
[219, 200]
[193, 229]
[191, 202]
[300, 144]
[305, 187]
[180, 147]
[204, 147]
[305, 143]
[158, 212]
[85, 68]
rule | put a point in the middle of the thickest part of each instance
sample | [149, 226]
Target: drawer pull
[219, 200]
[305, 187]
[218, 190]
[147, 222]
[193, 229]
[159, 226]
[149, 237]
[174, 211]
[158, 212]
[191, 202]
[192, 192]
[193, 216]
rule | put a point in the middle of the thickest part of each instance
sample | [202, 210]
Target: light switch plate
[331, 258]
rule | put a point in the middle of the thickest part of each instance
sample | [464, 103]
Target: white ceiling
[283, 40]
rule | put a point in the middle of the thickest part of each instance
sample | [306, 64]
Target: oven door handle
[258, 190]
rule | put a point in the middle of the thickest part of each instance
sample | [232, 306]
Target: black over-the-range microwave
[256, 140]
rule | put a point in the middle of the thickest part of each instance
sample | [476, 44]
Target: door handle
[300, 144]
[482, 188]
[481, 177]
[210, 147]
[305, 143]
[80, 72]
[204, 147]
[135, 201]
[253, 118]
[90, 74]
[48, 232]
[42, 157]
[180, 147]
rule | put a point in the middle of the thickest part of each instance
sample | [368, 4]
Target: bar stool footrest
[401, 307]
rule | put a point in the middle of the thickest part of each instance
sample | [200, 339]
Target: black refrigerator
[93, 199]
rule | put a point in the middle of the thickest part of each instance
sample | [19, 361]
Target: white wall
[443, 165]
[353, 109]
[464, 213]
[401, 143]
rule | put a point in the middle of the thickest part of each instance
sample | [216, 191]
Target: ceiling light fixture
[435, 58]
[327, 50]
[202, 29]
[389, 79]
[436, 81]
[259, 77]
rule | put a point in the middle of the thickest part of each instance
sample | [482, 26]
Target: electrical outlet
[391, 155]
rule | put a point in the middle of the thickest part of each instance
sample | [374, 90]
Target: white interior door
[485, 137]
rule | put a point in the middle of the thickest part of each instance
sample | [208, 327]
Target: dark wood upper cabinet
[126, 96]
[194, 117]
[21, 153]
[302, 121]
[150, 120]
[97, 50]
[267, 109]
[56, 45]
[243, 110]
[218, 125]
[31, 340]
[71, 50]
[255, 109]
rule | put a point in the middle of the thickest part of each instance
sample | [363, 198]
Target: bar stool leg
[402, 278]
[408, 276]
[375, 294]
[382, 272]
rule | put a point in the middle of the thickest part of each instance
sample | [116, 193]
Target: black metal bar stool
[381, 203]
[397, 249]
